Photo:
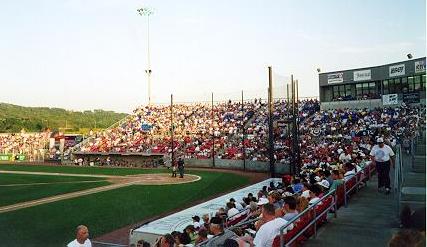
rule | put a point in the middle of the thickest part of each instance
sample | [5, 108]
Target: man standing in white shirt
[271, 227]
[382, 157]
[82, 238]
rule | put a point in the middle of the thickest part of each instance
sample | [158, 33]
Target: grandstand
[236, 131]
[335, 162]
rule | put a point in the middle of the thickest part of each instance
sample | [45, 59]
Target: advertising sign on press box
[390, 99]
[420, 66]
[362, 75]
[396, 70]
[335, 78]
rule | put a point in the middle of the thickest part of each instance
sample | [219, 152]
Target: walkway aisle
[369, 220]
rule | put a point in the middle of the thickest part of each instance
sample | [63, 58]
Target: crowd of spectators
[335, 147]
[199, 126]
[241, 131]
[267, 211]
[365, 96]
[236, 131]
[28, 144]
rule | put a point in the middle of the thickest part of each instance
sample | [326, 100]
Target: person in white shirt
[238, 205]
[382, 157]
[345, 156]
[82, 238]
[349, 171]
[196, 222]
[232, 211]
[271, 227]
[315, 192]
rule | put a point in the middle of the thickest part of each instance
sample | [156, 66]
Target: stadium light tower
[147, 12]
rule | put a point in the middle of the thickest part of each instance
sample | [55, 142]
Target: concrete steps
[412, 179]
[413, 192]
[419, 164]
[420, 149]
[415, 195]
[369, 220]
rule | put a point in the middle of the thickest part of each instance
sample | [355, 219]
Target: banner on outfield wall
[335, 78]
[420, 66]
[362, 75]
[396, 70]
[390, 99]
[20, 157]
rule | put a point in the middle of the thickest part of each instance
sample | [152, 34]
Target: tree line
[14, 118]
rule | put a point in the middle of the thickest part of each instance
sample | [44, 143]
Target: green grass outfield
[80, 170]
[53, 224]
[25, 187]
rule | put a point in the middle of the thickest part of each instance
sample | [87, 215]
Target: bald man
[82, 238]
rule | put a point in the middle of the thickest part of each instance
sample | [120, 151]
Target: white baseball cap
[262, 201]
[380, 140]
[287, 193]
[324, 183]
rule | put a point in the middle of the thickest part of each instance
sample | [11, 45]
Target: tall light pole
[147, 12]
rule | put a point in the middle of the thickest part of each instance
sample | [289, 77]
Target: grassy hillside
[13, 118]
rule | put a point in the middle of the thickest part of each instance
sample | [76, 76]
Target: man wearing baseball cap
[382, 157]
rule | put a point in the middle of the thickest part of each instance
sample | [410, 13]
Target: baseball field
[42, 205]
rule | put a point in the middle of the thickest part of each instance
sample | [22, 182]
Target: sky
[91, 54]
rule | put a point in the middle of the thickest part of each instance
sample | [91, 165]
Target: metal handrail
[244, 223]
[107, 244]
[398, 177]
[314, 221]
[356, 185]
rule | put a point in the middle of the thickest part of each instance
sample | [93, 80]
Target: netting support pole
[270, 122]
[297, 166]
[213, 133]
[243, 137]
[172, 130]
[294, 138]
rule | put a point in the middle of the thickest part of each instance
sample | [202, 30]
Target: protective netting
[280, 91]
